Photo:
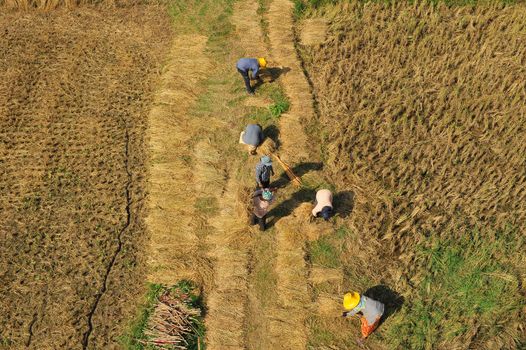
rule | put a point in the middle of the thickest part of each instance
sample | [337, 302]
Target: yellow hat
[262, 62]
[351, 300]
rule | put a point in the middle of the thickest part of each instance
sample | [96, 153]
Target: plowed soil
[74, 96]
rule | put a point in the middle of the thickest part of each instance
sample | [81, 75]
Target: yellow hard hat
[351, 300]
[262, 62]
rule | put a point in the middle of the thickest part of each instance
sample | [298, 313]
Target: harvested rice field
[125, 196]
[75, 94]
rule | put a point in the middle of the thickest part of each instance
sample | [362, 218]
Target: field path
[287, 325]
[194, 216]
[248, 29]
[210, 240]
[280, 322]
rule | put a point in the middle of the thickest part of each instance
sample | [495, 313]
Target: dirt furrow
[118, 248]
[171, 219]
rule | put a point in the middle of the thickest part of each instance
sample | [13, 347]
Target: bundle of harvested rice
[267, 147]
[328, 306]
[172, 323]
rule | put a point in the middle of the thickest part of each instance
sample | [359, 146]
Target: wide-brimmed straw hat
[266, 160]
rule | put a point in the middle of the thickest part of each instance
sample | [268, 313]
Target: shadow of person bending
[343, 203]
[286, 207]
[272, 132]
[299, 170]
[269, 75]
[391, 299]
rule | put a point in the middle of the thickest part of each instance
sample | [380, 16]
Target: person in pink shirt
[262, 201]
[323, 204]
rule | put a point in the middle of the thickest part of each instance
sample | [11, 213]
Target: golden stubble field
[75, 91]
[422, 113]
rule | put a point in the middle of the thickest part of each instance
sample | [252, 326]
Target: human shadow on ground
[391, 299]
[286, 207]
[269, 75]
[272, 132]
[299, 170]
[343, 203]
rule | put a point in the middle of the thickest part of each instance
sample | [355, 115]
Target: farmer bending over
[262, 200]
[252, 137]
[323, 204]
[250, 66]
[264, 171]
[370, 309]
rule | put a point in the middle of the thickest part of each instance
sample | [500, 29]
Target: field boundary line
[86, 335]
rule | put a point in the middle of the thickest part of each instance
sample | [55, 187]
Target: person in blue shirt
[249, 69]
[252, 137]
[264, 171]
[371, 311]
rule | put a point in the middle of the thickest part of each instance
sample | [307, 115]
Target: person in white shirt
[323, 204]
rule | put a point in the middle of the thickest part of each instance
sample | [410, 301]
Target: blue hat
[326, 212]
[266, 194]
[266, 160]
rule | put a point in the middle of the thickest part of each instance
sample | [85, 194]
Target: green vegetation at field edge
[132, 340]
[467, 277]
[281, 102]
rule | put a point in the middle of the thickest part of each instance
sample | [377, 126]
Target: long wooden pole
[295, 180]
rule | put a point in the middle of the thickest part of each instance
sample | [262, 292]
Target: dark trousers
[261, 221]
[264, 184]
[246, 78]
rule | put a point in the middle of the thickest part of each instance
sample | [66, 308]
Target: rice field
[422, 114]
[74, 99]
[117, 168]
